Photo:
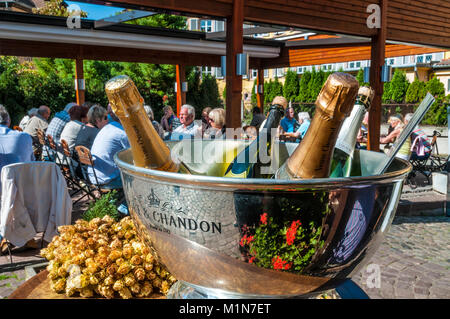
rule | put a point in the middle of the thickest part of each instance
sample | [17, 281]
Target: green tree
[56, 8]
[253, 94]
[416, 92]
[268, 91]
[386, 97]
[209, 91]
[291, 85]
[315, 84]
[435, 87]
[303, 94]
[399, 87]
[360, 78]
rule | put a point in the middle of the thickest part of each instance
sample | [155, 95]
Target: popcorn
[106, 258]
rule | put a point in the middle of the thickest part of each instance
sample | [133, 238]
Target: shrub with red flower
[292, 231]
[278, 244]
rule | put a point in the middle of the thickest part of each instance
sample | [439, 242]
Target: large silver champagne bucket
[261, 237]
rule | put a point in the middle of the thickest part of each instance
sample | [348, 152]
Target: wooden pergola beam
[180, 78]
[79, 81]
[377, 61]
[104, 53]
[234, 81]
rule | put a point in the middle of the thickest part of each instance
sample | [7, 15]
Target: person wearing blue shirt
[59, 121]
[289, 124]
[110, 140]
[15, 146]
[304, 121]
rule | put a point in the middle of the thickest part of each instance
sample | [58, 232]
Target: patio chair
[94, 188]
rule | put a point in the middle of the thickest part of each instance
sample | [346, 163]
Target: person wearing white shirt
[188, 128]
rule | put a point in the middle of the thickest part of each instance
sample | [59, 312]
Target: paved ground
[413, 261]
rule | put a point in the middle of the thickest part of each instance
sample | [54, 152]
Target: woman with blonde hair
[217, 124]
[396, 121]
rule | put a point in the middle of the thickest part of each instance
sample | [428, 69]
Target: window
[420, 59]
[428, 58]
[330, 67]
[391, 61]
[299, 70]
[280, 72]
[219, 73]
[352, 65]
[206, 70]
[206, 25]
[266, 73]
[358, 64]
[254, 74]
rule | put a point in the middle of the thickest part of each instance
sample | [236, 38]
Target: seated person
[396, 121]
[188, 128]
[421, 145]
[304, 120]
[217, 124]
[23, 123]
[361, 138]
[289, 124]
[39, 121]
[15, 146]
[167, 119]
[96, 119]
[110, 140]
[205, 119]
[151, 117]
[78, 118]
[58, 122]
[258, 117]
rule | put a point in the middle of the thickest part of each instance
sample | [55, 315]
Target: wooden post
[79, 81]
[181, 96]
[376, 62]
[260, 96]
[233, 81]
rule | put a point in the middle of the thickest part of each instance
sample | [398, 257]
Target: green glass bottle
[243, 165]
[341, 164]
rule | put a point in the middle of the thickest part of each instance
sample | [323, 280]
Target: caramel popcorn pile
[103, 257]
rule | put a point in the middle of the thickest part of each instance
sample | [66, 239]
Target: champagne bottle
[341, 163]
[312, 157]
[147, 147]
[243, 165]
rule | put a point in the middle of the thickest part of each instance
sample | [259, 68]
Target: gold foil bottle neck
[337, 97]
[365, 95]
[123, 95]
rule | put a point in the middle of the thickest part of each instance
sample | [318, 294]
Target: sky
[96, 12]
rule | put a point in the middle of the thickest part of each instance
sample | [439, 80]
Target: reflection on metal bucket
[262, 237]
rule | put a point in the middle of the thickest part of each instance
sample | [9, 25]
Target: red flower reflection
[264, 219]
[279, 263]
[292, 231]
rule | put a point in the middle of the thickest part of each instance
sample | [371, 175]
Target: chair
[86, 161]
[40, 145]
[70, 167]
[34, 199]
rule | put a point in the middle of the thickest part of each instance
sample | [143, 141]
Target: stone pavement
[413, 260]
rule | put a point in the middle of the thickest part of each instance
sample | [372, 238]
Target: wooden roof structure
[377, 29]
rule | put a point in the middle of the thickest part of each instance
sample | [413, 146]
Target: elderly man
[188, 128]
[110, 140]
[15, 146]
[59, 121]
[304, 120]
[39, 121]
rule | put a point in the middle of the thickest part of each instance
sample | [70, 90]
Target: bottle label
[345, 147]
